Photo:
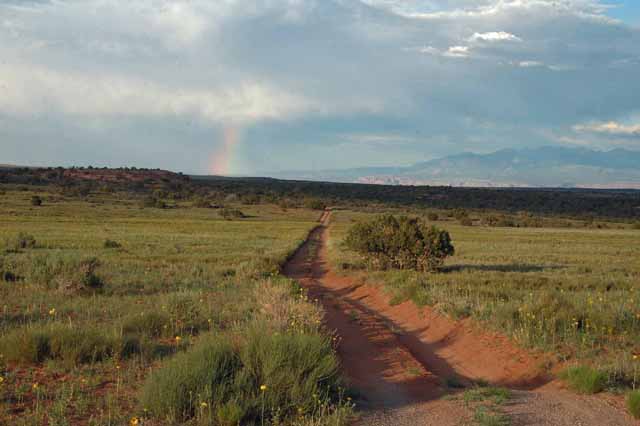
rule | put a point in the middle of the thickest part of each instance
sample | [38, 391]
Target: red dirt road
[400, 358]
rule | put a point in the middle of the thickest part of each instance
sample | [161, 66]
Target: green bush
[244, 378]
[583, 379]
[400, 242]
[80, 346]
[72, 345]
[110, 244]
[633, 403]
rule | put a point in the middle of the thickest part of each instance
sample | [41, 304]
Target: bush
[202, 203]
[230, 213]
[228, 372]
[110, 244]
[432, 216]
[633, 403]
[466, 221]
[315, 204]
[583, 379]
[400, 242]
[64, 272]
[88, 277]
[636, 225]
[36, 201]
[154, 202]
[21, 242]
[71, 345]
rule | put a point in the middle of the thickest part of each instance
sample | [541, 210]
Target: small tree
[400, 242]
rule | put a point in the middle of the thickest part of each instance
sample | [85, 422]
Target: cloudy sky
[247, 86]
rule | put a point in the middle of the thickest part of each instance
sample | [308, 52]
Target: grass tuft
[584, 379]
[633, 403]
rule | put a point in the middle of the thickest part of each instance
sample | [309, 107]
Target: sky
[252, 86]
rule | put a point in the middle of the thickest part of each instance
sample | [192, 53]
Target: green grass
[586, 380]
[633, 403]
[573, 292]
[105, 297]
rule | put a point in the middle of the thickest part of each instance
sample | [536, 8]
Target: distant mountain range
[536, 167]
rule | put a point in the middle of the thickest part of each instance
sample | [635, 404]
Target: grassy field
[574, 292]
[108, 310]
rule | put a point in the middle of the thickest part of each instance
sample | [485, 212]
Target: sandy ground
[401, 358]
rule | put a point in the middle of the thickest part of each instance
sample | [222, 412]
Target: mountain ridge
[546, 166]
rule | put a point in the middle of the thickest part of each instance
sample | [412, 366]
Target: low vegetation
[583, 379]
[633, 403]
[399, 242]
[572, 293]
[112, 311]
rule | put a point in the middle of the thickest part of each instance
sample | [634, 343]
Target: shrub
[154, 202]
[460, 214]
[202, 203]
[227, 372]
[88, 277]
[633, 403]
[315, 204]
[80, 346]
[636, 225]
[36, 201]
[400, 242]
[230, 213]
[432, 216]
[64, 272]
[71, 345]
[110, 244]
[185, 313]
[26, 346]
[21, 242]
[466, 221]
[205, 373]
[583, 379]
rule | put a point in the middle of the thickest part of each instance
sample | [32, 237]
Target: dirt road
[404, 359]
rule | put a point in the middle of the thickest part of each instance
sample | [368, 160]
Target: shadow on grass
[515, 267]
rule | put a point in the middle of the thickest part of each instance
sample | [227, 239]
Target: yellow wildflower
[52, 311]
[263, 388]
[134, 421]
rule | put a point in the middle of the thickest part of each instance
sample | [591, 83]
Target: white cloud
[494, 36]
[530, 64]
[611, 128]
[31, 90]
[457, 52]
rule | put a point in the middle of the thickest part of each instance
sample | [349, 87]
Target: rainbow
[223, 157]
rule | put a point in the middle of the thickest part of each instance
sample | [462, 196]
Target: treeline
[582, 203]
[160, 184]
